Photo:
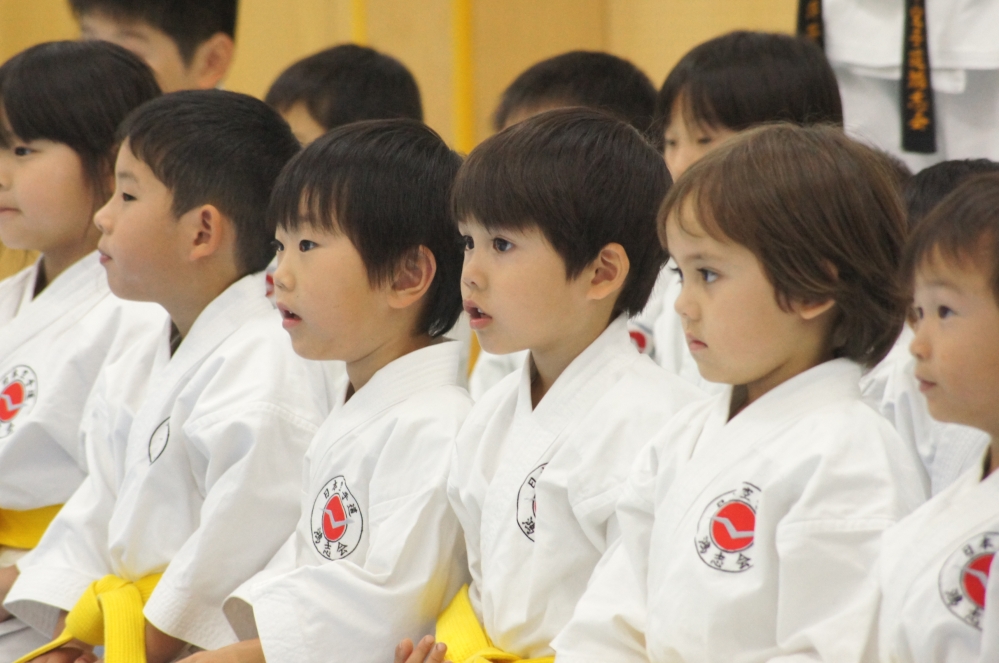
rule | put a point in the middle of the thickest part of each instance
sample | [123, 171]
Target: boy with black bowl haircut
[558, 214]
[200, 490]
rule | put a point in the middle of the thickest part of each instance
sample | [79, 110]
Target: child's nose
[920, 346]
[102, 219]
[685, 305]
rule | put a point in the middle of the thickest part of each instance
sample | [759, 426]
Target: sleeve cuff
[40, 594]
[182, 616]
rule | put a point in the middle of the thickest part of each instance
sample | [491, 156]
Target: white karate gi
[990, 620]
[378, 552]
[934, 574]
[535, 489]
[52, 348]
[203, 487]
[755, 538]
[864, 43]
[946, 451]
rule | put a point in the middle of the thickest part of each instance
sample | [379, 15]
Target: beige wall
[506, 36]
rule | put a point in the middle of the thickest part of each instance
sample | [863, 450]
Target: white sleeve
[251, 460]
[609, 621]
[837, 561]
[74, 550]
[360, 609]
[469, 516]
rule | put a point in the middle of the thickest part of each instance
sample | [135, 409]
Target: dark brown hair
[823, 216]
[582, 177]
[963, 228]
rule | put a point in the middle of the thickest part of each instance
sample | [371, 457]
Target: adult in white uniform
[864, 43]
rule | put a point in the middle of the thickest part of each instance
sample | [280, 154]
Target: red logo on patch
[639, 339]
[11, 400]
[334, 519]
[975, 578]
[733, 526]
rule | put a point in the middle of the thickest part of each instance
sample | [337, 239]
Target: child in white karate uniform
[193, 492]
[577, 78]
[750, 528]
[935, 563]
[558, 214]
[721, 87]
[59, 323]
[372, 280]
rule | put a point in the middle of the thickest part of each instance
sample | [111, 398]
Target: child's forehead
[965, 273]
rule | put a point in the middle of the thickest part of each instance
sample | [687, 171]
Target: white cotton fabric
[688, 580]
[392, 566]
[54, 346]
[199, 482]
[946, 451]
[535, 489]
[934, 574]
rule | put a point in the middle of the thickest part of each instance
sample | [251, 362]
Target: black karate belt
[810, 22]
[919, 127]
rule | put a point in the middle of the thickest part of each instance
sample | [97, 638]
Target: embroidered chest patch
[965, 575]
[337, 523]
[18, 393]
[527, 502]
[641, 337]
[727, 530]
[158, 440]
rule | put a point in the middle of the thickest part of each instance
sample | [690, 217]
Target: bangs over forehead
[963, 229]
[822, 215]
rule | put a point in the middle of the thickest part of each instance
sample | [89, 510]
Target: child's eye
[306, 245]
[704, 140]
[944, 312]
[678, 272]
[127, 197]
[277, 246]
[670, 142]
[708, 275]
[501, 244]
[467, 243]
[22, 151]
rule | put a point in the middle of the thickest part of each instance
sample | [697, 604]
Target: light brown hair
[823, 216]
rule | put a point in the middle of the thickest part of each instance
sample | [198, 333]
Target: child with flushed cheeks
[938, 595]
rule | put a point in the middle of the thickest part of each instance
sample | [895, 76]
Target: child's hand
[8, 574]
[248, 651]
[425, 652]
[66, 654]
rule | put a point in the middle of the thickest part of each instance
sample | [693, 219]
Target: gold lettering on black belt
[810, 21]
[918, 122]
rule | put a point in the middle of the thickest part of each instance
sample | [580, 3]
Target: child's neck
[190, 296]
[55, 262]
[548, 363]
[360, 371]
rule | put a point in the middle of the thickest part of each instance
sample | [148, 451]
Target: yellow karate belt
[466, 641]
[24, 529]
[109, 613]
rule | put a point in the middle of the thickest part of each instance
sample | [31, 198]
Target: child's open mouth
[290, 318]
[478, 319]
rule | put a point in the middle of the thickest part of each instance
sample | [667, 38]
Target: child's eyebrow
[127, 175]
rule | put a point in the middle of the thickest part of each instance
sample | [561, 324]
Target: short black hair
[931, 185]
[219, 148]
[189, 23]
[585, 179]
[582, 78]
[348, 83]
[963, 227]
[745, 78]
[386, 185]
[76, 93]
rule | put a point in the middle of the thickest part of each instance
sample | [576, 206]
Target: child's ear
[211, 60]
[412, 278]
[206, 229]
[812, 310]
[608, 272]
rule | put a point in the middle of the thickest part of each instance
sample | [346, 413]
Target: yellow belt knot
[467, 641]
[24, 529]
[109, 613]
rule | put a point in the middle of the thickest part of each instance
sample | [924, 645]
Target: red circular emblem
[334, 519]
[975, 578]
[639, 339]
[733, 526]
[11, 400]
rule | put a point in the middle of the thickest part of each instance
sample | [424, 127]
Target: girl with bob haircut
[752, 523]
[61, 105]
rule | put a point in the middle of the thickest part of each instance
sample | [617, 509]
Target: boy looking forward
[558, 215]
[194, 493]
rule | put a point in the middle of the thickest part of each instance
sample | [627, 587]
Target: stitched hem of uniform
[278, 623]
[40, 594]
[183, 616]
[239, 612]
